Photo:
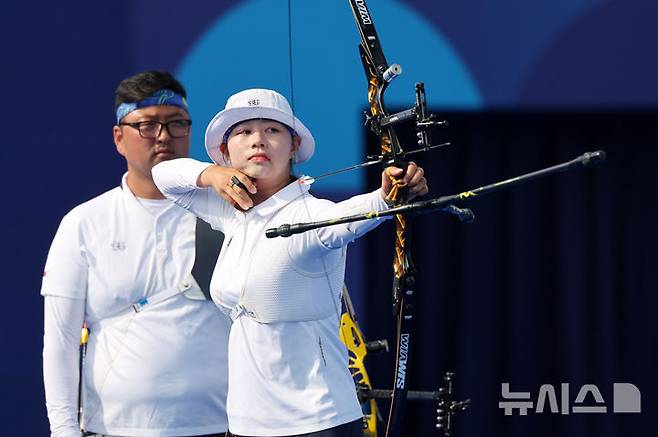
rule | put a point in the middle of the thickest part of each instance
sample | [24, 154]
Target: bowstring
[333, 295]
[290, 62]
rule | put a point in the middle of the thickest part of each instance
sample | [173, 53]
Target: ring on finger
[235, 181]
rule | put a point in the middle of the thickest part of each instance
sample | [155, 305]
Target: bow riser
[378, 76]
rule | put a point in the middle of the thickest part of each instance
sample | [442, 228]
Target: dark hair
[142, 85]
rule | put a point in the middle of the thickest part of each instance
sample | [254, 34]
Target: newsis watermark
[626, 398]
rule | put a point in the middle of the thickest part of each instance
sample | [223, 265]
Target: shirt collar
[126, 189]
[281, 198]
[132, 199]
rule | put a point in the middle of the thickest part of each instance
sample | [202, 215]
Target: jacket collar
[281, 198]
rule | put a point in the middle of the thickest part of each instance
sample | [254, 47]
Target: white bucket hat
[256, 103]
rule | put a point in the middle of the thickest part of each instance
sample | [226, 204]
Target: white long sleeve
[176, 179]
[63, 319]
[337, 236]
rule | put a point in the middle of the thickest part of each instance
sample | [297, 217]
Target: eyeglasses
[152, 129]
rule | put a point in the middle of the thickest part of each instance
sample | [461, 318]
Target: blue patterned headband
[160, 97]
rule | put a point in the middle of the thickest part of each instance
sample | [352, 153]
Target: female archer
[288, 370]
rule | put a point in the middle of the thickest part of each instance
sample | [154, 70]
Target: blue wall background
[62, 60]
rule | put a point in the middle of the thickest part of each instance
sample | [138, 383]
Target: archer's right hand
[221, 180]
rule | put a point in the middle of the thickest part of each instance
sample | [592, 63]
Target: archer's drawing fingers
[235, 187]
[231, 185]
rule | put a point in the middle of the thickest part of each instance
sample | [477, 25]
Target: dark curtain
[553, 283]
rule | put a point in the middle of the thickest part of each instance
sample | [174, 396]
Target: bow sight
[423, 121]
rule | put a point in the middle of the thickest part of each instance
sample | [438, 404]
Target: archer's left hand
[413, 177]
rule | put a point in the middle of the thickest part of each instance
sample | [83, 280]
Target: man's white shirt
[160, 372]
